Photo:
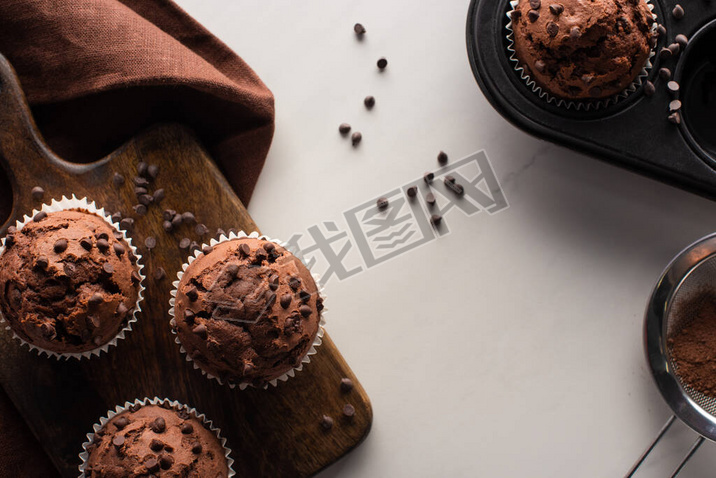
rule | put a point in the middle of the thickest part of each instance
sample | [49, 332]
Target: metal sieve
[691, 273]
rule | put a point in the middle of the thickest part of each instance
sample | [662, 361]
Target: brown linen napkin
[96, 72]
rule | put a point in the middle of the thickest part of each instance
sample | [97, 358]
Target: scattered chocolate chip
[42, 262]
[675, 49]
[108, 268]
[356, 138]
[436, 219]
[454, 187]
[369, 102]
[673, 86]
[37, 193]
[665, 53]
[326, 422]
[535, 4]
[146, 199]
[166, 461]
[200, 331]
[184, 243]
[158, 425]
[159, 273]
[168, 214]
[118, 248]
[102, 235]
[142, 168]
[118, 440]
[344, 128]
[158, 195]
[192, 294]
[533, 15]
[196, 448]
[382, 63]
[305, 310]
[346, 385]
[349, 410]
[117, 216]
[188, 218]
[382, 203]
[675, 118]
[177, 220]
[201, 230]
[430, 199]
[122, 309]
[118, 180]
[428, 177]
[39, 216]
[674, 106]
[556, 9]
[245, 249]
[86, 243]
[678, 12]
[665, 74]
[127, 223]
[103, 244]
[661, 30]
[575, 33]
[206, 250]
[286, 301]
[442, 158]
[140, 209]
[449, 179]
[141, 182]
[552, 29]
[167, 226]
[60, 246]
[261, 255]
[359, 29]
[412, 191]
[682, 40]
[118, 236]
[121, 422]
[150, 242]
[186, 428]
[140, 191]
[153, 171]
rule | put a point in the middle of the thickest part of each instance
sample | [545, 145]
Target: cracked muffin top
[583, 49]
[247, 311]
[68, 281]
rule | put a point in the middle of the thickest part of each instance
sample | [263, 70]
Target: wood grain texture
[274, 432]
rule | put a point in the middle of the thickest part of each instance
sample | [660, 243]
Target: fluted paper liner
[198, 253]
[578, 105]
[175, 405]
[91, 208]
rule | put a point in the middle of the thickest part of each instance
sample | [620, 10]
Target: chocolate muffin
[68, 281]
[149, 440]
[583, 49]
[247, 311]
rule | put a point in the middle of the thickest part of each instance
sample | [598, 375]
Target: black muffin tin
[633, 133]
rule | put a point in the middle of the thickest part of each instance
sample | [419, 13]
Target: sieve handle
[643, 456]
[699, 441]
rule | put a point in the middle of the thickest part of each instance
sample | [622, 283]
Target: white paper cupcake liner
[578, 105]
[90, 207]
[175, 405]
[242, 386]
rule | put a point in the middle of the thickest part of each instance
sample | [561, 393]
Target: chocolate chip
[412, 191]
[188, 218]
[127, 223]
[232, 270]
[158, 425]
[359, 29]
[356, 138]
[192, 294]
[118, 236]
[595, 91]
[533, 15]
[168, 214]
[60, 246]
[556, 9]
[430, 199]
[196, 448]
[153, 171]
[286, 301]
[140, 209]
[118, 180]
[649, 88]
[678, 12]
[189, 316]
[86, 243]
[673, 86]
[103, 244]
[150, 242]
[118, 440]
[140, 191]
[665, 53]
[108, 268]
[665, 74]
[294, 283]
[674, 106]
[184, 243]
[515, 15]
[159, 274]
[344, 128]
[535, 4]
[454, 187]
[156, 445]
[39, 216]
[682, 40]
[117, 216]
[346, 385]
[349, 410]
[661, 30]
[304, 296]
[552, 29]
[167, 226]
[245, 249]
[201, 230]
[142, 168]
[42, 262]
[382, 203]
[575, 33]
[206, 250]
[37, 193]
[369, 102]
[200, 331]
[136, 277]
[96, 299]
[442, 158]
[436, 219]
[305, 310]
[382, 63]
[449, 179]
[675, 118]
[166, 461]
[675, 49]
[428, 177]
[121, 422]
[146, 199]
[186, 428]
[152, 464]
[326, 422]
[122, 309]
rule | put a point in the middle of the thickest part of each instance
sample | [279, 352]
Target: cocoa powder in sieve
[693, 347]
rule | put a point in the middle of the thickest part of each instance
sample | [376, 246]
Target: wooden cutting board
[274, 432]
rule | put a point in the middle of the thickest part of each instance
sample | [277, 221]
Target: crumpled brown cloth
[95, 73]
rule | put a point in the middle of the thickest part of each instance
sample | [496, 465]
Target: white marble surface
[513, 346]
